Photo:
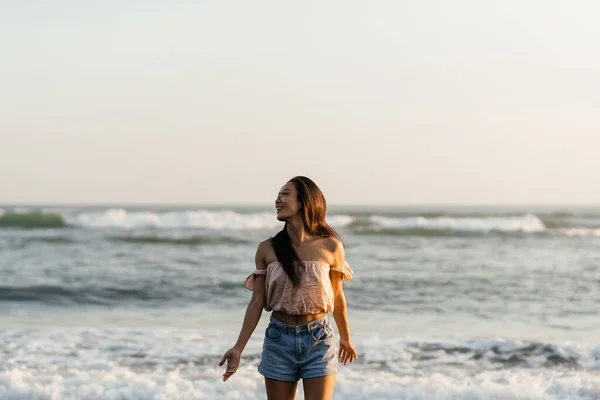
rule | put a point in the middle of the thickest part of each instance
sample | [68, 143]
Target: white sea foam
[352, 384]
[340, 220]
[153, 363]
[205, 219]
[586, 232]
[524, 223]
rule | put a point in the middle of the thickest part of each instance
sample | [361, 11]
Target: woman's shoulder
[265, 245]
[264, 253]
[333, 244]
[335, 249]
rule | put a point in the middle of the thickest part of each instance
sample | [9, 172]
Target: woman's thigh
[280, 390]
[320, 388]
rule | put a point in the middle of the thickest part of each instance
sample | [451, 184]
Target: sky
[379, 102]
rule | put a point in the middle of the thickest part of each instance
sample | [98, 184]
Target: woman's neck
[297, 232]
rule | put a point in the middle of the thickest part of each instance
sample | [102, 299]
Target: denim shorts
[298, 352]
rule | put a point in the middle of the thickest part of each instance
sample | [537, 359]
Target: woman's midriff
[296, 319]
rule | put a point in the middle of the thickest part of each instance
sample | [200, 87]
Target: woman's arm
[251, 318]
[347, 352]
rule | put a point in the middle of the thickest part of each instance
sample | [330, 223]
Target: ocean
[447, 302]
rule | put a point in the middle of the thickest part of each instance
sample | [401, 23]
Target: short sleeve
[249, 283]
[346, 271]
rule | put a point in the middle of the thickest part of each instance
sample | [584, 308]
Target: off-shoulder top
[313, 295]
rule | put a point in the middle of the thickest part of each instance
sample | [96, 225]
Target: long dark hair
[313, 209]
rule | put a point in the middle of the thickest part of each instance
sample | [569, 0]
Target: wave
[168, 362]
[49, 239]
[58, 295]
[190, 240]
[123, 219]
[202, 219]
[144, 295]
[490, 353]
[528, 223]
[34, 219]
[216, 220]
[584, 232]
[425, 224]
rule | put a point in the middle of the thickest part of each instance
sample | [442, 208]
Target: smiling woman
[299, 274]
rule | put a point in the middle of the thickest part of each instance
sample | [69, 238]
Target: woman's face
[287, 204]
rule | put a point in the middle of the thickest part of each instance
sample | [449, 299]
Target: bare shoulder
[264, 246]
[333, 245]
[263, 253]
[336, 248]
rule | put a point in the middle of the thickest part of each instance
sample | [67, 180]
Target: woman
[298, 276]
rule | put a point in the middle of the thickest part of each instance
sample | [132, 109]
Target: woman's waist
[291, 319]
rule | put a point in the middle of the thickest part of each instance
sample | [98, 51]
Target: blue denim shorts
[298, 352]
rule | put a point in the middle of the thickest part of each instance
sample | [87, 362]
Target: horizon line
[256, 204]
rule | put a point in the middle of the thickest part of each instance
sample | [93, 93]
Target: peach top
[313, 295]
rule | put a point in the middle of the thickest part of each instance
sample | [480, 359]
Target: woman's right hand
[232, 356]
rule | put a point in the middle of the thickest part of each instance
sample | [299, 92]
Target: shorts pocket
[273, 333]
[322, 333]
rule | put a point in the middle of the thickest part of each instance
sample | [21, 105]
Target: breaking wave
[423, 224]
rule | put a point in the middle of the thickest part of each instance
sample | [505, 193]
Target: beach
[447, 302]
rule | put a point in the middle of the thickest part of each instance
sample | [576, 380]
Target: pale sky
[395, 102]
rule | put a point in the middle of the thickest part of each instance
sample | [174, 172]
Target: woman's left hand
[347, 351]
[232, 356]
